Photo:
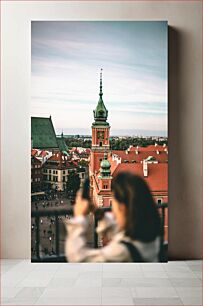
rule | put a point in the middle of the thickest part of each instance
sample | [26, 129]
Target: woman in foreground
[134, 225]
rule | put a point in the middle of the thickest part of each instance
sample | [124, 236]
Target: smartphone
[86, 189]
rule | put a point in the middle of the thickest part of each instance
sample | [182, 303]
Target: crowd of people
[49, 202]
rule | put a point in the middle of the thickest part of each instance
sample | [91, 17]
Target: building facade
[151, 163]
[36, 174]
[100, 173]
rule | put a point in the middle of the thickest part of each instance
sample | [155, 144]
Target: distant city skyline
[66, 62]
[122, 132]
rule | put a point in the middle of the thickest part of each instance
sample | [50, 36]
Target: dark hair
[143, 220]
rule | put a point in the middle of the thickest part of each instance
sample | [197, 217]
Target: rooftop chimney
[145, 168]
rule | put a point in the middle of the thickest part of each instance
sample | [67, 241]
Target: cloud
[66, 61]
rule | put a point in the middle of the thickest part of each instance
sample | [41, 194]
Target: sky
[66, 61]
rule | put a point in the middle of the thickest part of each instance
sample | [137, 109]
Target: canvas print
[99, 141]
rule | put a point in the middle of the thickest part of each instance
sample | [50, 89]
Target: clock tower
[100, 133]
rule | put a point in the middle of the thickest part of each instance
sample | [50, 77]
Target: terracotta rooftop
[34, 152]
[157, 178]
[149, 148]
[43, 153]
[162, 157]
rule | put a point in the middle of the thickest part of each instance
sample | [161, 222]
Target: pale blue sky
[66, 62]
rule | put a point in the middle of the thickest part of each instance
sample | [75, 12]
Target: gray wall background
[185, 65]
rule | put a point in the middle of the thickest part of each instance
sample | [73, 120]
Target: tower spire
[100, 113]
[101, 93]
[105, 167]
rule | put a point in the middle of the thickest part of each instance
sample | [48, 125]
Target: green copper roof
[42, 133]
[100, 124]
[105, 167]
[100, 113]
[62, 145]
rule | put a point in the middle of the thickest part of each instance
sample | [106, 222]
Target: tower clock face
[100, 135]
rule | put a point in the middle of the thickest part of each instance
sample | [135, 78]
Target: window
[100, 134]
[56, 172]
[159, 201]
[49, 171]
[105, 186]
[83, 175]
[100, 143]
[64, 172]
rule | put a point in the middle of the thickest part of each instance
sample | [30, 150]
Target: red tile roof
[54, 157]
[43, 153]
[39, 153]
[157, 178]
[149, 148]
[162, 157]
[34, 152]
[65, 160]
[74, 149]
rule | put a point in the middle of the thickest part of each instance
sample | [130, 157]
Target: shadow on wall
[184, 207]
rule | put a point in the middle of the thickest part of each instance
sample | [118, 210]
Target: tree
[83, 163]
[73, 183]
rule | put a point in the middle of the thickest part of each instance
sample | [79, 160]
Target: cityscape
[58, 170]
[75, 140]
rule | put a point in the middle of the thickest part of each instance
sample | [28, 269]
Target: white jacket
[76, 249]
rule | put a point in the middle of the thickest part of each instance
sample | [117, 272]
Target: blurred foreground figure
[134, 225]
